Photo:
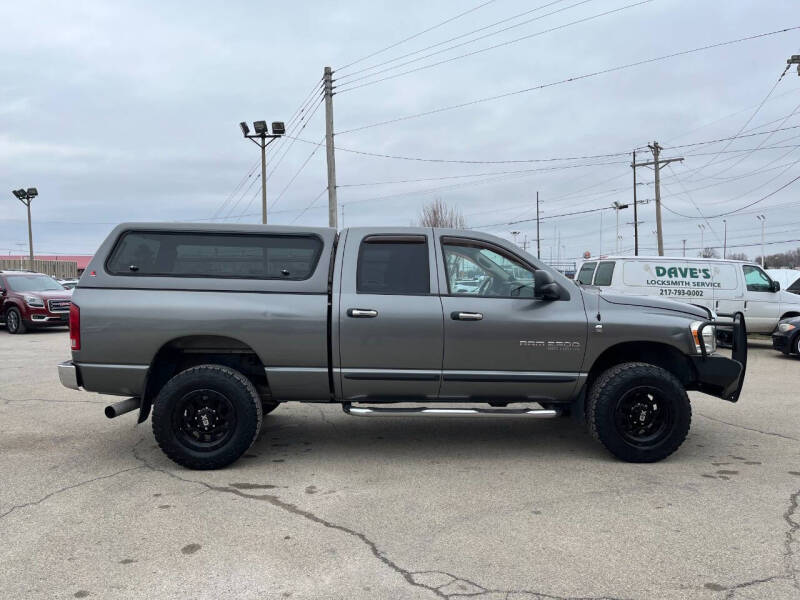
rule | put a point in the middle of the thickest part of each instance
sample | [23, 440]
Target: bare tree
[709, 253]
[438, 214]
[737, 256]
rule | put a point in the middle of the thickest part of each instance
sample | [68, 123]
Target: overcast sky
[129, 111]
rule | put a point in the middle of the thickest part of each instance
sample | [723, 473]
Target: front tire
[639, 412]
[206, 417]
[14, 322]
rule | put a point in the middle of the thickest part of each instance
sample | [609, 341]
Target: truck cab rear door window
[393, 265]
[215, 255]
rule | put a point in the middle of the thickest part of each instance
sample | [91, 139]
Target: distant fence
[566, 267]
[60, 269]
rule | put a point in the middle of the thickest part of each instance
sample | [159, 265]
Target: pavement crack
[64, 489]
[772, 433]
[790, 540]
[454, 587]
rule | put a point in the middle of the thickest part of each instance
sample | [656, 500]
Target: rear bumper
[68, 374]
[720, 376]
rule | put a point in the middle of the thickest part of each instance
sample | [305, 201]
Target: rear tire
[206, 417]
[639, 412]
[14, 322]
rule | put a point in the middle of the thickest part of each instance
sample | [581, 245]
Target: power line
[452, 39]
[291, 181]
[467, 162]
[522, 160]
[310, 204]
[416, 35]
[346, 87]
[567, 80]
[747, 122]
[785, 185]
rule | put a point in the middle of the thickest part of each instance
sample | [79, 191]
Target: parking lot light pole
[25, 196]
[763, 220]
[262, 135]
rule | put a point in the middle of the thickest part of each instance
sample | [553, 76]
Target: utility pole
[515, 234]
[656, 163]
[725, 239]
[538, 242]
[25, 196]
[635, 211]
[262, 139]
[684, 248]
[763, 220]
[327, 79]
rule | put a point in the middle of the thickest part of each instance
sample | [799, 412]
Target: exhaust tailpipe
[120, 408]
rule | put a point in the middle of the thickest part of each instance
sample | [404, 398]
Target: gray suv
[213, 326]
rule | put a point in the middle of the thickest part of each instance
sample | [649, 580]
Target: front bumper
[782, 342]
[68, 374]
[720, 376]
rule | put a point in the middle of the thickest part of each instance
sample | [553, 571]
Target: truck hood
[657, 303]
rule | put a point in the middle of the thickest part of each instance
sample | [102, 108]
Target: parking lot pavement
[329, 506]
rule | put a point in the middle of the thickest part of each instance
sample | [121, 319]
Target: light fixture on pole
[262, 138]
[763, 220]
[25, 196]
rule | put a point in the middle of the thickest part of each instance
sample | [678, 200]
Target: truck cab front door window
[474, 269]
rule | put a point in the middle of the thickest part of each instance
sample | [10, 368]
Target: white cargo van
[724, 286]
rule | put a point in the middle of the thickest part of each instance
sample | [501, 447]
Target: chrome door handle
[466, 316]
[362, 313]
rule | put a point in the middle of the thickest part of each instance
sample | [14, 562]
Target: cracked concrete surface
[327, 506]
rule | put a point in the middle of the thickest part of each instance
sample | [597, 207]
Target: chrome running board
[424, 411]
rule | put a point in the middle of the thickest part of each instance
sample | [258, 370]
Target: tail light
[75, 326]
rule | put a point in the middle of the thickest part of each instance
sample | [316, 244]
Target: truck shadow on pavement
[288, 437]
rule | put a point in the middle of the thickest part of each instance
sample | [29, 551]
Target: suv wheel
[639, 412]
[14, 322]
[206, 417]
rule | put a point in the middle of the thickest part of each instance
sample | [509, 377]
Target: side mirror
[544, 286]
[776, 286]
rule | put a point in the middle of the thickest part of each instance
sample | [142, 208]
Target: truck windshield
[33, 283]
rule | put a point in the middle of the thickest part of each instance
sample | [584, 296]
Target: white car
[724, 286]
[788, 278]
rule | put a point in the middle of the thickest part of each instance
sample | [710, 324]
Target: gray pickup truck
[213, 326]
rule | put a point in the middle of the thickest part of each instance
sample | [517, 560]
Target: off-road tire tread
[599, 394]
[235, 448]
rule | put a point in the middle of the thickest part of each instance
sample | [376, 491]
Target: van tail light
[75, 326]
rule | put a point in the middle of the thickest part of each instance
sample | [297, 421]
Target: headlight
[784, 327]
[34, 302]
[709, 337]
